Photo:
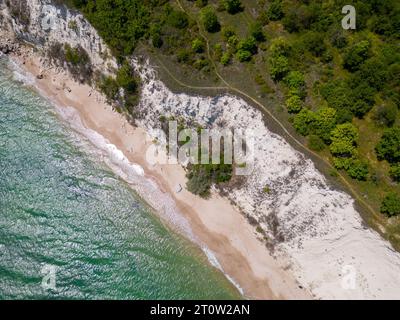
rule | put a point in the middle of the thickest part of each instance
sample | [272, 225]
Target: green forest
[339, 90]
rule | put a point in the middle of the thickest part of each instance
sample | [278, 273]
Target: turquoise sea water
[63, 209]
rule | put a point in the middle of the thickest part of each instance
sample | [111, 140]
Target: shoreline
[215, 222]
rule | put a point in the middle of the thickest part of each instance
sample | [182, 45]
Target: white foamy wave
[212, 258]
[215, 263]
[20, 75]
[110, 151]
[131, 173]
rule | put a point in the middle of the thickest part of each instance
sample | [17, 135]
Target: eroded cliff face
[44, 23]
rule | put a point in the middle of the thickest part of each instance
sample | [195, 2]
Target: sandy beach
[216, 223]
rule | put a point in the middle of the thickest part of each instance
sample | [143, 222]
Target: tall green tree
[391, 204]
[275, 10]
[388, 147]
[232, 6]
[209, 19]
[344, 140]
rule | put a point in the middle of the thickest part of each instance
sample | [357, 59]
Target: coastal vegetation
[19, 10]
[201, 176]
[340, 88]
[76, 59]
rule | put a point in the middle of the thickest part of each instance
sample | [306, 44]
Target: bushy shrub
[303, 121]
[109, 86]
[199, 181]
[183, 56]
[178, 19]
[320, 123]
[360, 108]
[227, 32]
[246, 48]
[291, 20]
[126, 78]
[358, 170]
[275, 10]
[295, 82]
[324, 122]
[198, 45]
[315, 143]
[395, 172]
[217, 52]
[354, 167]
[232, 6]
[339, 39]
[226, 58]
[391, 204]
[155, 35]
[356, 55]
[342, 163]
[279, 47]
[202, 176]
[363, 99]
[256, 31]
[77, 60]
[343, 116]
[294, 104]
[314, 43]
[233, 42]
[201, 63]
[356, 97]
[388, 147]
[373, 72]
[243, 55]
[344, 140]
[385, 115]
[209, 20]
[306, 15]
[201, 3]
[338, 94]
[248, 44]
[121, 24]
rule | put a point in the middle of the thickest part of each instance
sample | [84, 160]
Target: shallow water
[63, 209]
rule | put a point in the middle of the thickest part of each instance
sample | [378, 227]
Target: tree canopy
[389, 146]
[391, 205]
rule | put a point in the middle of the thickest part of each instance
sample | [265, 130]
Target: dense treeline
[121, 23]
[334, 80]
[367, 75]
[369, 70]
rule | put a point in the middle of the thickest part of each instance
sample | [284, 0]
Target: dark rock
[5, 49]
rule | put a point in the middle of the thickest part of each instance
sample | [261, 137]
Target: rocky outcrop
[44, 23]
